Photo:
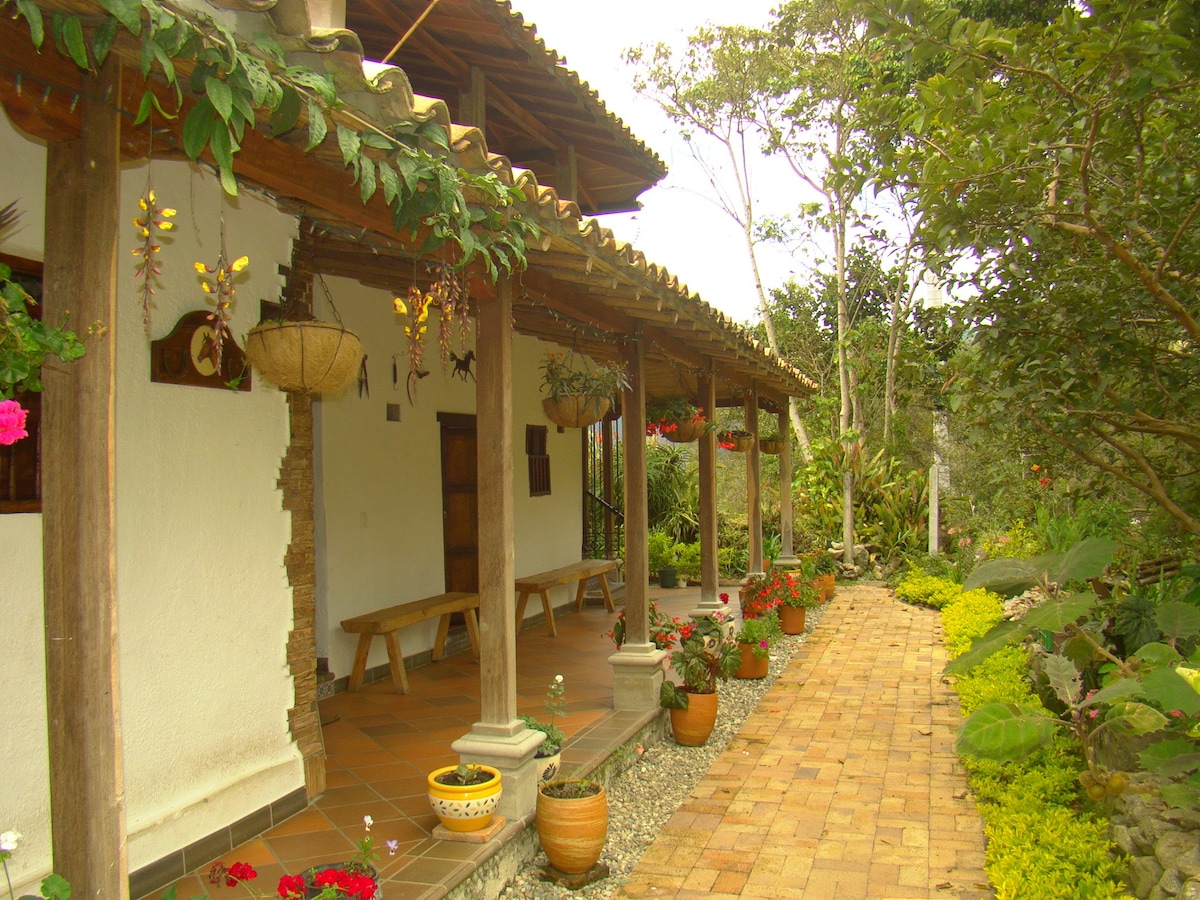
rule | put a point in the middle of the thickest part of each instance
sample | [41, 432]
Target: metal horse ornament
[462, 365]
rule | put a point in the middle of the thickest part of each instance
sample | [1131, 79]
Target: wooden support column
[499, 738]
[472, 102]
[787, 553]
[87, 794]
[637, 666]
[709, 568]
[566, 182]
[754, 488]
[606, 461]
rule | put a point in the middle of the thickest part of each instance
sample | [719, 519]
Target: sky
[679, 227]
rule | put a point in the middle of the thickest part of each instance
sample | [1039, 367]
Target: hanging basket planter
[312, 357]
[575, 410]
[738, 441]
[772, 448]
[685, 432]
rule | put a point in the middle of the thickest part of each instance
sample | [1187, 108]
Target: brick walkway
[843, 784]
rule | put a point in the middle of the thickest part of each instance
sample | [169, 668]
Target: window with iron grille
[539, 460]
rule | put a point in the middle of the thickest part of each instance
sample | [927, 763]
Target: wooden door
[460, 518]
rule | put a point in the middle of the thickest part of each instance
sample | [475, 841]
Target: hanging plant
[578, 397]
[154, 221]
[217, 283]
[417, 311]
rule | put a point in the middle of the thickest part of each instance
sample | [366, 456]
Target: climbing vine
[233, 79]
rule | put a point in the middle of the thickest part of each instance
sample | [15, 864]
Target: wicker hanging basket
[740, 443]
[312, 357]
[575, 410]
[772, 448]
[685, 432]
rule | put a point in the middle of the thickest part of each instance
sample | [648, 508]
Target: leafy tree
[1060, 163]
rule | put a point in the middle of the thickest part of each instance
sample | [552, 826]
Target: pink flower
[12, 422]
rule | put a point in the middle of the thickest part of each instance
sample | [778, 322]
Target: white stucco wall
[379, 502]
[203, 604]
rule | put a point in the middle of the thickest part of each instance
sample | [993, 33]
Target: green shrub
[731, 561]
[1019, 542]
[662, 550]
[687, 560]
[968, 616]
[923, 563]
[1001, 678]
[928, 590]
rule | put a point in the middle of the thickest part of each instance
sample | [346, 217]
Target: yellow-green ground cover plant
[1046, 839]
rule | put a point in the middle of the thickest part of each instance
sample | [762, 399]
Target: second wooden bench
[569, 574]
[389, 621]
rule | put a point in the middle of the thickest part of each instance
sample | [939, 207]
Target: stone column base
[637, 676]
[510, 749]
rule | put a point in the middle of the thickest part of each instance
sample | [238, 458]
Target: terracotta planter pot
[829, 584]
[572, 829]
[313, 357]
[571, 411]
[791, 619]
[693, 725]
[464, 807]
[752, 666]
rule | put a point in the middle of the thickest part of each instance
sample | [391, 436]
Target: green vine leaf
[390, 181]
[349, 143]
[72, 32]
[198, 128]
[287, 111]
[1170, 692]
[318, 84]
[220, 95]
[102, 40]
[269, 47]
[32, 14]
[317, 129]
[223, 147]
[435, 134]
[1178, 620]
[127, 12]
[366, 167]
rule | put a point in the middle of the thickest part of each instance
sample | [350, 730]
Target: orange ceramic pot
[572, 829]
[752, 666]
[693, 725]
[791, 619]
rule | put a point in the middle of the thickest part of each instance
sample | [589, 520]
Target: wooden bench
[569, 574]
[389, 621]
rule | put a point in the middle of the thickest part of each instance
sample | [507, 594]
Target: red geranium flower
[238, 873]
[291, 887]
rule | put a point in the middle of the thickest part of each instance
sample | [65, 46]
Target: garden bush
[967, 616]
[1001, 678]
[928, 590]
[662, 550]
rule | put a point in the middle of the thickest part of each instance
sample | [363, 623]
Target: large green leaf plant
[1126, 709]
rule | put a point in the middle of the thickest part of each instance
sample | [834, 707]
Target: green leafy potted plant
[825, 568]
[662, 628]
[754, 640]
[705, 655]
[578, 397]
[677, 420]
[549, 753]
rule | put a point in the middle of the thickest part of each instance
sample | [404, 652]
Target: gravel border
[643, 797]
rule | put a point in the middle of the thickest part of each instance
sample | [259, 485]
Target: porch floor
[381, 745]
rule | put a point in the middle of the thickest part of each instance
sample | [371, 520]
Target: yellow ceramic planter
[464, 807]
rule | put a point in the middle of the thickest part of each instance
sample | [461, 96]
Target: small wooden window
[21, 463]
[539, 460]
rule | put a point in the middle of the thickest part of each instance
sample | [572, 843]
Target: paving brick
[843, 783]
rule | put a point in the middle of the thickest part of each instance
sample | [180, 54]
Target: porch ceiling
[536, 106]
[583, 288]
